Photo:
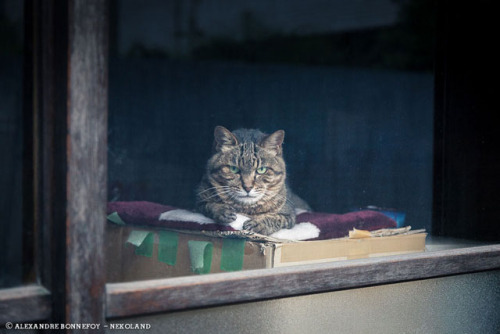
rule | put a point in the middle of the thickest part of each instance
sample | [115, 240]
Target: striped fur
[247, 175]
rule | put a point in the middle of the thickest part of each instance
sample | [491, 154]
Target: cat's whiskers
[221, 190]
[218, 193]
[215, 188]
[233, 196]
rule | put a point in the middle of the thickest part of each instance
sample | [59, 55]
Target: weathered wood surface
[86, 147]
[70, 78]
[134, 298]
[71, 131]
[24, 304]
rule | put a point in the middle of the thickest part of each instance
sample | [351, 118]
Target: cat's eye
[261, 170]
[234, 169]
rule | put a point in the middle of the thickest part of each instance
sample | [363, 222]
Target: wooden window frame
[67, 42]
[70, 47]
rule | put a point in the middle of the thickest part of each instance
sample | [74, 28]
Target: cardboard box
[290, 254]
[149, 253]
[125, 263]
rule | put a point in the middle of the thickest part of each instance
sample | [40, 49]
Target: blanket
[309, 225]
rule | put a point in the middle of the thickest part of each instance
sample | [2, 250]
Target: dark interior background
[11, 141]
[351, 83]
[467, 163]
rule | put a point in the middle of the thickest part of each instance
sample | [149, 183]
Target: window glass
[11, 139]
[350, 83]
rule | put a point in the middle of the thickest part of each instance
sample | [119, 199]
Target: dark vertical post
[86, 147]
[71, 129]
[467, 162]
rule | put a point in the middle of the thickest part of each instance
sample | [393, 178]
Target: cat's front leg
[268, 224]
[221, 213]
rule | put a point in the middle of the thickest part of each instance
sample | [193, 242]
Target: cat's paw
[226, 217]
[257, 226]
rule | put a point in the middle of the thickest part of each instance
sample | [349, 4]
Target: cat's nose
[247, 188]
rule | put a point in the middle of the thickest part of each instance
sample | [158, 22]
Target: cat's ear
[224, 139]
[274, 141]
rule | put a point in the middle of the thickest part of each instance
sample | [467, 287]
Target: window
[70, 127]
[355, 97]
[352, 88]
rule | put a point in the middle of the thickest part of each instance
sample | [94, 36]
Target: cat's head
[247, 165]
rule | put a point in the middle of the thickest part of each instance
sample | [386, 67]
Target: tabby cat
[246, 175]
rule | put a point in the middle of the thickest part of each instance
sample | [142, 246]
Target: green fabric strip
[167, 247]
[136, 237]
[143, 240]
[200, 254]
[146, 249]
[115, 218]
[233, 251]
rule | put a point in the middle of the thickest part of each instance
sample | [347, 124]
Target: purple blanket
[309, 226]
